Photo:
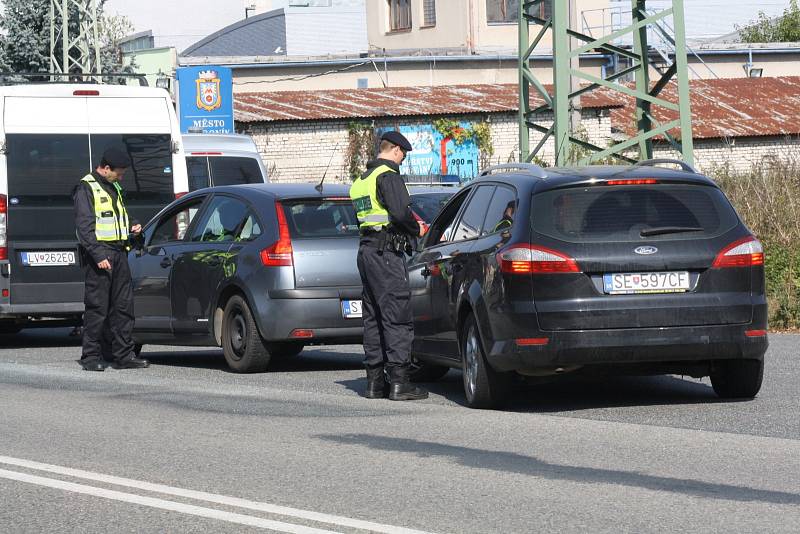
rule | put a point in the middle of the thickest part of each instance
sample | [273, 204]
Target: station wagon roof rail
[654, 162]
[525, 168]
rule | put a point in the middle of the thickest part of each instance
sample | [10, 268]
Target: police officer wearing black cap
[388, 228]
[103, 230]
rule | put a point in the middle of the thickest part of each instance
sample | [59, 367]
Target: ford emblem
[646, 251]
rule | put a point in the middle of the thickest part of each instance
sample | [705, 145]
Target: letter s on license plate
[351, 309]
[48, 258]
[643, 283]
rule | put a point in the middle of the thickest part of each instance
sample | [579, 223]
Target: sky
[181, 23]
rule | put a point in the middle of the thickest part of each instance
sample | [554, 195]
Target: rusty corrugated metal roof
[388, 102]
[738, 107]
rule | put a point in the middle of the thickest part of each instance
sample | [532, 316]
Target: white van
[51, 136]
[222, 159]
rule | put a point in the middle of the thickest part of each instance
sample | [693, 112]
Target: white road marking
[211, 497]
[172, 506]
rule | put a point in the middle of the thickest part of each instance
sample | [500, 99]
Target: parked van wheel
[483, 386]
[285, 349]
[737, 379]
[426, 372]
[241, 343]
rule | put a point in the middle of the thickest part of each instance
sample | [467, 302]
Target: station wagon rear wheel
[737, 379]
[483, 386]
[241, 343]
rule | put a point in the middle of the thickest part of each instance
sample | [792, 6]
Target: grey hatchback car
[261, 270]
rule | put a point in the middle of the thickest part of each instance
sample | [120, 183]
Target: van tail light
[3, 227]
[745, 252]
[279, 254]
[523, 259]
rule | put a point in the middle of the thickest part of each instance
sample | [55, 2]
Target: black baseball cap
[117, 157]
[396, 138]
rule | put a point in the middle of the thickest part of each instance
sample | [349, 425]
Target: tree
[783, 29]
[25, 39]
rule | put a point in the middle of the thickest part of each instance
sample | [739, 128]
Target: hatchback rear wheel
[241, 343]
[737, 379]
[483, 386]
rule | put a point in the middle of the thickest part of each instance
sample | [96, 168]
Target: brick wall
[299, 151]
[739, 154]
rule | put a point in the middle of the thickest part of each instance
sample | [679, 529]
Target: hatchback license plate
[351, 309]
[640, 283]
[48, 258]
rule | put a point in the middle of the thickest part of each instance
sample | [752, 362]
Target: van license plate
[48, 258]
[351, 309]
[642, 283]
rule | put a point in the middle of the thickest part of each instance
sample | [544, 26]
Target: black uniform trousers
[386, 308]
[108, 302]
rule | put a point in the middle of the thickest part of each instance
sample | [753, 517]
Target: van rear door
[42, 170]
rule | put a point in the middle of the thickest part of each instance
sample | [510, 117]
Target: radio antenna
[319, 186]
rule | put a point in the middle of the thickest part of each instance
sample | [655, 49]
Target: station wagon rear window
[320, 218]
[631, 213]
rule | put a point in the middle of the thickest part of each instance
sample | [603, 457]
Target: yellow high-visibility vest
[109, 224]
[364, 194]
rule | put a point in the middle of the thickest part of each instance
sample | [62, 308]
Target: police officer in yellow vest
[387, 227]
[103, 229]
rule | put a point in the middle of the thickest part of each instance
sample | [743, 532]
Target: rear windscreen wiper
[663, 230]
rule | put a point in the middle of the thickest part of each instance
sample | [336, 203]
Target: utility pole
[570, 82]
[79, 47]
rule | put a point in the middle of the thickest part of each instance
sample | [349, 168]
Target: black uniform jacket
[85, 219]
[393, 196]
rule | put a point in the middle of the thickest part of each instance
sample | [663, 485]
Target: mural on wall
[435, 154]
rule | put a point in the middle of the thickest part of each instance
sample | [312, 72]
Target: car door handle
[166, 262]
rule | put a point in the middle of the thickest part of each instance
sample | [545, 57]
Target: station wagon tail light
[3, 227]
[522, 259]
[745, 252]
[638, 181]
[279, 254]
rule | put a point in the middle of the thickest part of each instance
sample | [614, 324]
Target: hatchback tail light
[279, 254]
[523, 259]
[3, 227]
[742, 253]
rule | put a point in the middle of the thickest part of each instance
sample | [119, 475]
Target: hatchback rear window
[320, 218]
[629, 213]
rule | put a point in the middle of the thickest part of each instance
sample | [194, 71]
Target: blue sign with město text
[205, 99]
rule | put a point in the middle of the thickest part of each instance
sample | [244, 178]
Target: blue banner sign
[205, 99]
[434, 154]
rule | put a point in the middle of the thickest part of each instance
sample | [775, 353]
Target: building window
[428, 13]
[399, 15]
[508, 10]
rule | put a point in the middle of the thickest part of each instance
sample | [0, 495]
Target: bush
[768, 200]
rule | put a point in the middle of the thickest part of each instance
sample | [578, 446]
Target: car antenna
[318, 187]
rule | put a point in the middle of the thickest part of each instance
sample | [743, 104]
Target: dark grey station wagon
[638, 269]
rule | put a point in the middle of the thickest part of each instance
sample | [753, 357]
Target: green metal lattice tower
[570, 82]
[74, 26]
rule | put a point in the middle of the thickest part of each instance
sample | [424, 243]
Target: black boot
[401, 389]
[377, 388]
[130, 362]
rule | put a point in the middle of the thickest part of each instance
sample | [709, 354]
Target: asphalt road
[186, 446]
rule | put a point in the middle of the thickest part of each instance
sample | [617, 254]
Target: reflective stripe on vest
[364, 194]
[108, 224]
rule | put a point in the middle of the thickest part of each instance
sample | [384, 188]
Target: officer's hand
[423, 228]
[105, 265]
[136, 229]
